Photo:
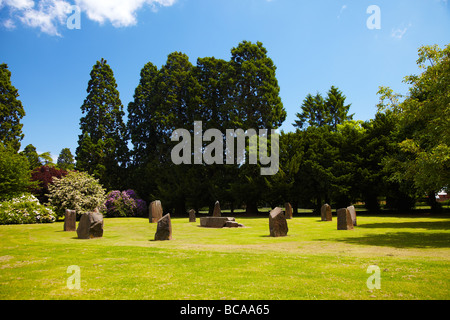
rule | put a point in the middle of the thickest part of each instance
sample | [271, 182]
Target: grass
[315, 261]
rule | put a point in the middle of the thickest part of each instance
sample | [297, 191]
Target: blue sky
[314, 44]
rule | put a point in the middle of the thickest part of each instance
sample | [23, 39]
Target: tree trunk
[436, 207]
[295, 208]
[251, 208]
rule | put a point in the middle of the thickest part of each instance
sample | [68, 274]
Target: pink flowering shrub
[124, 204]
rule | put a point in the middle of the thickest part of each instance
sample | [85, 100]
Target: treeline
[242, 93]
[397, 158]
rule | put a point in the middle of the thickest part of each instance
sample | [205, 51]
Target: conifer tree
[102, 146]
[65, 160]
[256, 95]
[33, 157]
[11, 111]
[257, 105]
[317, 111]
[142, 116]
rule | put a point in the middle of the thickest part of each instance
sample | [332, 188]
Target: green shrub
[25, 209]
[14, 174]
[76, 191]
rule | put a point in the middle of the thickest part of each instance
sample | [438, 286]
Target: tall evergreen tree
[336, 107]
[33, 157]
[11, 111]
[256, 96]
[256, 105]
[65, 160]
[213, 76]
[102, 146]
[180, 92]
[145, 130]
[180, 101]
[143, 116]
[317, 111]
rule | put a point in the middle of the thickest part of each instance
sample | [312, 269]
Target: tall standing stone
[164, 229]
[325, 213]
[90, 226]
[352, 211]
[217, 212]
[192, 217]
[288, 210]
[277, 223]
[70, 219]
[344, 219]
[155, 211]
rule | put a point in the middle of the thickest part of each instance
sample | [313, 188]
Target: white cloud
[9, 24]
[121, 13]
[19, 4]
[50, 15]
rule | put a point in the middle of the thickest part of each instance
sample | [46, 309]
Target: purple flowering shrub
[124, 204]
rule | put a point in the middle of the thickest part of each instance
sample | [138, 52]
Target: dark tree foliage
[318, 111]
[330, 158]
[33, 157]
[143, 117]
[102, 146]
[255, 98]
[11, 111]
[65, 160]
[238, 94]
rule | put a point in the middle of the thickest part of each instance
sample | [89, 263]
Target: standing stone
[325, 212]
[192, 217]
[277, 223]
[90, 226]
[70, 219]
[217, 212]
[155, 211]
[352, 211]
[288, 210]
[344, 220]
[164, 229]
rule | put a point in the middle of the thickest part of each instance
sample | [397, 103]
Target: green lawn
[315, 261]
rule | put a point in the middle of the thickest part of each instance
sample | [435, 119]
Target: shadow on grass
[433, 225]
[400, 240]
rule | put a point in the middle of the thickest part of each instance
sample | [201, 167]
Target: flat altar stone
[215, 222]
